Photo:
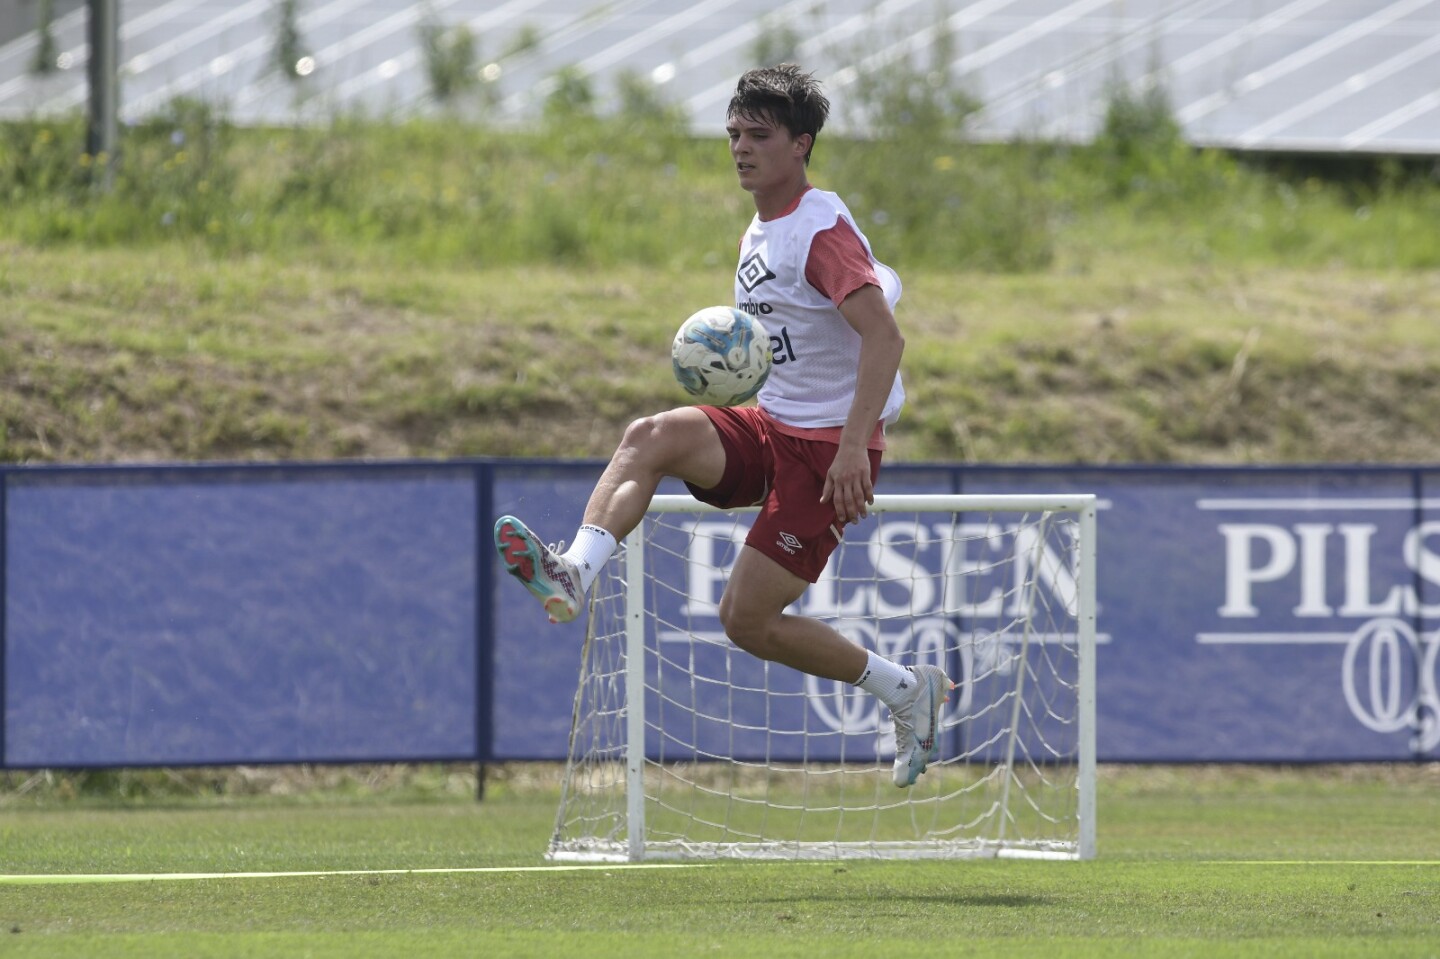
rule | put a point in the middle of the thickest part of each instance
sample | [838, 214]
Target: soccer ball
[721, 355]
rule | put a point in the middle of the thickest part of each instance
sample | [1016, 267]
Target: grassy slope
[165, 354]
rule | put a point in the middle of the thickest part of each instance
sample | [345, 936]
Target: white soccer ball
[721, 355]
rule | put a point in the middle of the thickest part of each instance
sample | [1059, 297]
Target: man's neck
[779, 202]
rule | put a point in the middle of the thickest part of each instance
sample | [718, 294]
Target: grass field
[1196, 861]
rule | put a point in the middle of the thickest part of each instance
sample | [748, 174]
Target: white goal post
[684, 746]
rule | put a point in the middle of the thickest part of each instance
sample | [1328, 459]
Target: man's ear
[803, 143]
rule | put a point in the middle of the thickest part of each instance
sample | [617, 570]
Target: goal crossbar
[916, 502]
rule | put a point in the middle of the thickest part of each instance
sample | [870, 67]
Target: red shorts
[783, 475]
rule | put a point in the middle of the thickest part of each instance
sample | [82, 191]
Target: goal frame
[1083, 508]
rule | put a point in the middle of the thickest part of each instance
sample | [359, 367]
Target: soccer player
[808, 454]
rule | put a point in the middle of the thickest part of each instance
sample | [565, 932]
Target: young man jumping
[808, 455]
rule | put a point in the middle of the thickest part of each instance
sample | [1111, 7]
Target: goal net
[684, 746]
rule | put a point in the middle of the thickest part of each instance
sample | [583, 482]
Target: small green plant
[451, 54]
[1140, 142]
[776, 42]
[289, 47]
[1139, 119]
[44, 61]
[525, 40]
[41, 163]
[571, 97]
[178, 172]
[641, 102]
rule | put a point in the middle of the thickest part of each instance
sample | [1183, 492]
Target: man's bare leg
[752, 610]
[681, 443]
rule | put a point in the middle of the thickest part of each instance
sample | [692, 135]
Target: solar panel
[1285, 75]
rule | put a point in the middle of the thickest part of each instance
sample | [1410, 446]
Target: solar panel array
[1303, 75]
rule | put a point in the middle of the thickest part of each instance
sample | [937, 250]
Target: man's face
[765, 154]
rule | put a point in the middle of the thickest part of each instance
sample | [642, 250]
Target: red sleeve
[839, 264]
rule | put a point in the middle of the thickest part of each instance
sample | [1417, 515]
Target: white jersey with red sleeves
[816, 352]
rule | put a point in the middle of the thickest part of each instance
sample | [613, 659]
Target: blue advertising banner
[1254, 615]
[212, 616]
[356, 612]
[1260, 615]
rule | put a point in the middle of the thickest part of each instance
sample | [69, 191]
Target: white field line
[48, 880]
[39, 880]
[1322, 862]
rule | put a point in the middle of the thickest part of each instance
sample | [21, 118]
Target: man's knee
[746, 628]
[679, 443]
[641, 433]
[657, 438]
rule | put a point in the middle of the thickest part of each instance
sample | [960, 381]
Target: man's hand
[848, 485]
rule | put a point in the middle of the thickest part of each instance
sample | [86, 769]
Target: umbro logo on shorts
[789, 543]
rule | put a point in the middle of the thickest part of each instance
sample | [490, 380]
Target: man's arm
[847, 484]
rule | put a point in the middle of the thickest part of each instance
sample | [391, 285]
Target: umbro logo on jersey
[753, 272]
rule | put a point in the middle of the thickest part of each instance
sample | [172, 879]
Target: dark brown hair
[785, 95]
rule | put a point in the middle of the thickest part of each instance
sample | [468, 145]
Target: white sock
[889, 682]
[592, 548]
